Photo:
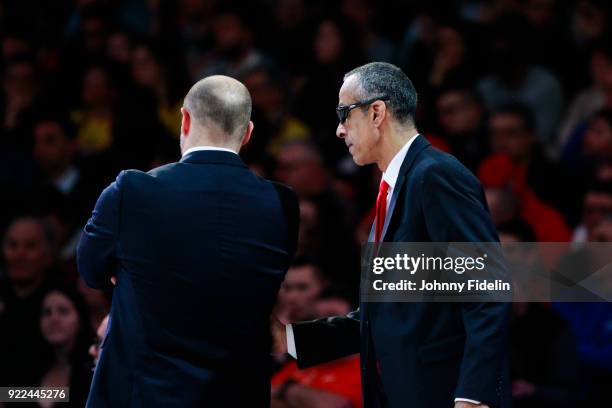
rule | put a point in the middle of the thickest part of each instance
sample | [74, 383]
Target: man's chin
[359, 161]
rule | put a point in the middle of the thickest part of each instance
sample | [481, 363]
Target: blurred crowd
[520, 91]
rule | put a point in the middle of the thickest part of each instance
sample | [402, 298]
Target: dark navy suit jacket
[423, 355]
[199, 249]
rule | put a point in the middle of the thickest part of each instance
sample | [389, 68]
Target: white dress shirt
[390, 176]
[202, 148]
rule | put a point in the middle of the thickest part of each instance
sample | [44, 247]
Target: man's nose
[340, 131]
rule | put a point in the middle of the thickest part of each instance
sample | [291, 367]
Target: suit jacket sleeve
[97, 249]
[323, 340]
[456, 211]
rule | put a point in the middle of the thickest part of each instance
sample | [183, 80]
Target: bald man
[196, 252]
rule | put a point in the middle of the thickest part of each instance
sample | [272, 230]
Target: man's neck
[392, 144]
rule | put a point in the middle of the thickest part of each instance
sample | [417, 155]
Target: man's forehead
[348, 90]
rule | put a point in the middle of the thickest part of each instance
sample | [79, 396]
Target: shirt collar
[204, 148]
[390, 175]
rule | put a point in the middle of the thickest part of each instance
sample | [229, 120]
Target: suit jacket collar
[419, 144]
[213, 157]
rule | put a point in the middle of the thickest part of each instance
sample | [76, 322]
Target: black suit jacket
[194, 245]
[423, 355]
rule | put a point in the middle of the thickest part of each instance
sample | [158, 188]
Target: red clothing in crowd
[340, 377]
[548, 224]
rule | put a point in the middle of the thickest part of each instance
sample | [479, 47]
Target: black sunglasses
[343, 110]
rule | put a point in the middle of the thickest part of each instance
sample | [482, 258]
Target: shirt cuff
[290, 341]
[465, 400]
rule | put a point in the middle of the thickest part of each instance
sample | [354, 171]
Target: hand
[279, 336]
[522, 388]
[114, 280]
[465, 404]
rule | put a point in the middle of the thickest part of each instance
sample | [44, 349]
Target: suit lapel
[417, 146]
[372, 231]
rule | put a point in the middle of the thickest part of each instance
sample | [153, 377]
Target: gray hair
[222, 101]
[381, 78]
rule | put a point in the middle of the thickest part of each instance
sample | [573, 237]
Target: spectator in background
[55, 149]
[543, 352]
[529, 263]
[276, 126]
[194, 25]
[589, 22]
[95, 121]
[290, 34]
[461, 118]
[17, 103]
[14, 43]
[591, 322]
[331, 302]
[503, 204]
[597, 141]
[166, 89]
[362, 14]
[17, 100]
[543, 358]
[512, 133]
[87, 33]
[64, 324]
[303, 284]
[509, 197]
[597, 205]
[440, 50]
[451, 62]
[28, 259]
[300, 165]
[590, 100]
[517, 79]
[233, 52]
[116, 130]
[550, 41]
[335, 384]
[119, 49]
[335, 50]
[325, 230]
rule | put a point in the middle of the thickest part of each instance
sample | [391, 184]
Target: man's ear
[379, 112]
[185, 122]
[247, 133]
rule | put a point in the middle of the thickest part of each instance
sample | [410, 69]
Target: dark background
[519, 91]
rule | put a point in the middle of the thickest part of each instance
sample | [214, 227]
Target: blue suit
[423, 355]
[199, 249]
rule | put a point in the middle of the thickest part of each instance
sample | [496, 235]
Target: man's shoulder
[159, 171]
[434, 162]
[135, 175]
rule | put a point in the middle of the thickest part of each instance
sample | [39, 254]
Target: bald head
[222, 106]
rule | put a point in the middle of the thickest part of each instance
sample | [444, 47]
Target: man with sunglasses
[412, 354]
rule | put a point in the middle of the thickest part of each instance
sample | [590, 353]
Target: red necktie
[381, 210]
